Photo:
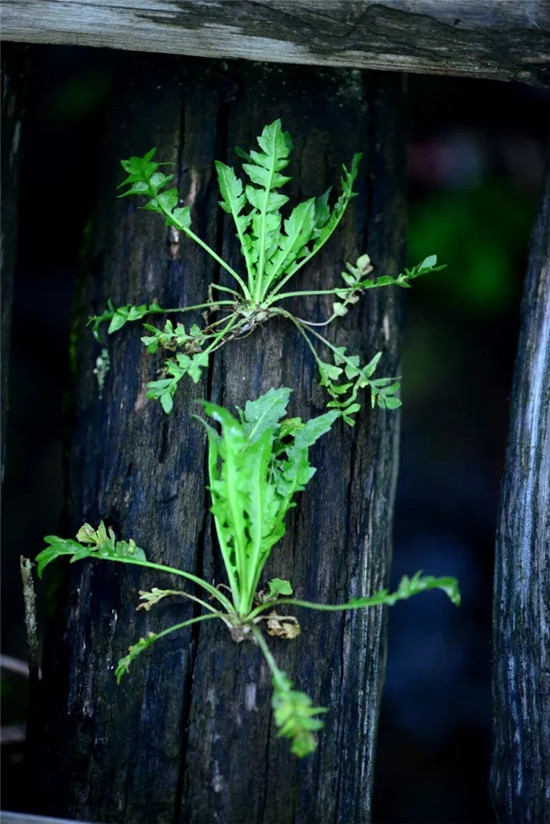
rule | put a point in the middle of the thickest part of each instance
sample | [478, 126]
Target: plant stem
[273, 298]
[173, 571]
[272, 664]
[207, 305]
[202, 244]
[216, 344]
[188, 623]
[297, 323]
[182, 594]
[317, 323]
[334, 349]
[378, 598]
[224, 289]
[219, 260]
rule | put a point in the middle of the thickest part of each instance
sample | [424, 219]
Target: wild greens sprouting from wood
[257, 463]
[274, 249]
[259, 460]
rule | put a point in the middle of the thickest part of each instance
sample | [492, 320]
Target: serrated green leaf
[123, 665]
[163, 390]
[152, 344]
[166, 399]
[329, 372]
[313, 429]
[153, 205]
[231, 190]
[265, 412]
[138, 312]
[199, 361]
[321, 211]
[408, 587]
[257, 199]
[160, 384]
[369, 370]
[421, 583]
[57, 548]
[275, 142]
[117, 322]
[86, 534]
[140, 187]
[90, 543]
[295, 716]
[350, 410]
[278, 587]
[298, 231]
[264, 177]
[168, 199]
[181, 217]
[390, 402]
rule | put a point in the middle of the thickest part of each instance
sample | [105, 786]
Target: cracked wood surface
[498, 39]
[189, 735]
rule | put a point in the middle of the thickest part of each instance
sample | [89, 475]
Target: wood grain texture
[521, 677]
[499, 39]
[189, 735]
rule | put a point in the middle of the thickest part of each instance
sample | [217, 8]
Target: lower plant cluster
[257, 462]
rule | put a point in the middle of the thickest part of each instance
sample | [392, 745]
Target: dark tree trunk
[14, 72]
[189, 735]
[521, 678]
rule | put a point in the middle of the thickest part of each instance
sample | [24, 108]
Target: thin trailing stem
[278, 674]
[212, 590]
[144, 643]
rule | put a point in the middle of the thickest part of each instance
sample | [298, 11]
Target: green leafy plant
[274, 249]
[257, 463]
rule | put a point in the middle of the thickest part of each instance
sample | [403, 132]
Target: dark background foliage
[475, 162]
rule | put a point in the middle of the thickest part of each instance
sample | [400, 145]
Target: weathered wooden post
[190, 732]
[188, 737]
[14, 69]
[520, 776]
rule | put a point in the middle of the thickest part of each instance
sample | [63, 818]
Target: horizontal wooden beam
[499, 39]
[24, 818]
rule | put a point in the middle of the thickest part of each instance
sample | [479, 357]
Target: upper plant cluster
[274, 249]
